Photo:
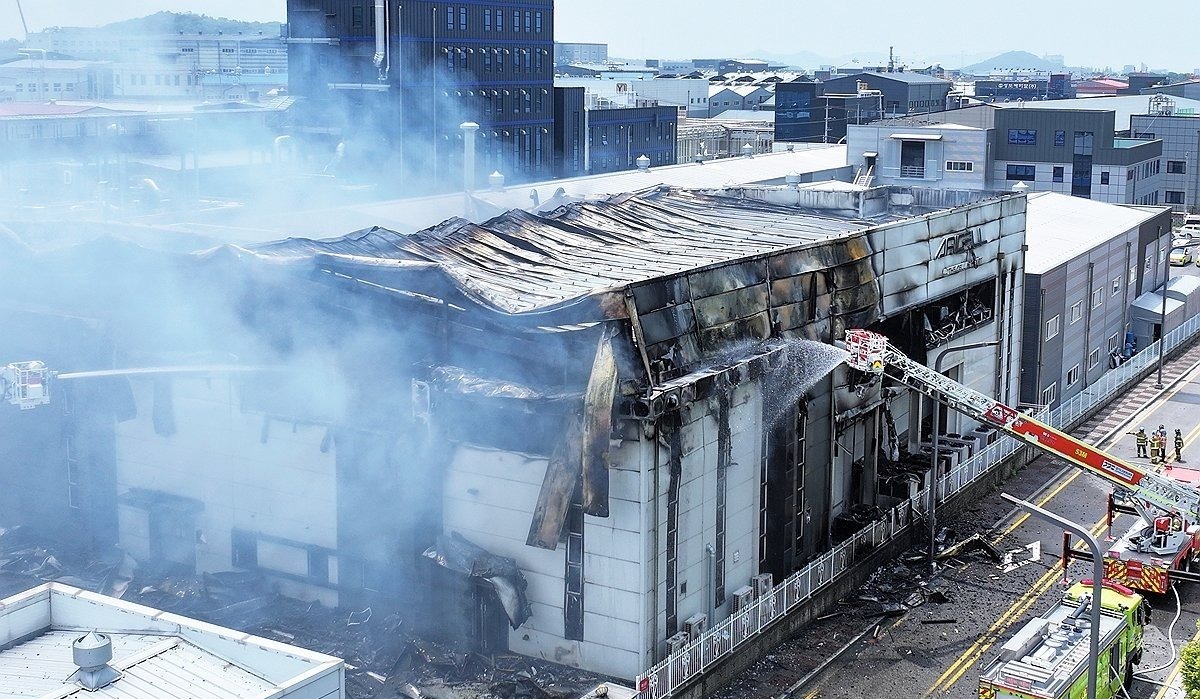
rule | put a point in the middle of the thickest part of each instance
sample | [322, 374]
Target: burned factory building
[572, 436]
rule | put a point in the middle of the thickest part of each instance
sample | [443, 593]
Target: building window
[1174, 197]
[1176, 167]
[1060, 139]
[1083, 142]
[1104, 177]
[528, 21]
[1132, 274]
[244, 549]
[1050, 394]
[1114, 342]
[960, 166]
[516, 21]
[1149, 263]
[1072, 376]
[318, 565]
[1057, 174]
[487, 56]
[226, 50]
[1022, 137]
[1076, 312]
[449, 18]
[462, 19]
[499, 20]
[1094, 359]
[1148, 135]
[1097, 297]
[356, 17]
[537, 22]
[1116, 286]
[1022, 172]
[487, 20]
[1052, 328]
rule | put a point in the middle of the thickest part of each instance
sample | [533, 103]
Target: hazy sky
[1092, 32]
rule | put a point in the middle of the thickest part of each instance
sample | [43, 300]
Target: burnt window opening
[954, 315]
[573, 602]
[318, 565]
[244, 548]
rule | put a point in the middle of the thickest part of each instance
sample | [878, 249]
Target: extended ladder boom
[871, 352]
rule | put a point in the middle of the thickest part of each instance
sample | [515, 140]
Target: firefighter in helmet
[1178, 445]
[1142, 442]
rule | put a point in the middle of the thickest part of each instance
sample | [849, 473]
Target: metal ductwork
[380, 36]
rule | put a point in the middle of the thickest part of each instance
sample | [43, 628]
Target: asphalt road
[909, 656]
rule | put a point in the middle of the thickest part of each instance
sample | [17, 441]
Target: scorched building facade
[580, 436]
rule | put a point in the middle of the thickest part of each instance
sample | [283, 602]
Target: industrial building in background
[392, 83]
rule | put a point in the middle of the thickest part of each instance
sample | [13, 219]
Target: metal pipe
[380, 36]
[934, 429]
[1097, 580]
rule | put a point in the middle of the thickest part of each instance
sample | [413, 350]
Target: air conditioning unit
[763, 584]
[695, 626]
[677, 643]
[742, 597]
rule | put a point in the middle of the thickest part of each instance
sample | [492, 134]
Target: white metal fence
[691, 661]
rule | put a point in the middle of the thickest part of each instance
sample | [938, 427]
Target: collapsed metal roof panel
[524, 263]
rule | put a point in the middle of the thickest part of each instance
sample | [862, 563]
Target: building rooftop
[1125, 106]
[53, 64]
[763, 115]
[905, 77]
[524, 263]
[1058, 227]
[159, 655]
[408, 215]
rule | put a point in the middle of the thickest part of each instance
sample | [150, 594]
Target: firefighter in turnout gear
[1178, 445]
[1158, 448]
[1142, 442]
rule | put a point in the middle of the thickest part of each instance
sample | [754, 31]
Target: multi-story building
[600, 134]
[1179, 130]
[399, 80]
[904, 92]
[45, 80]
[725, 97]
[690, 94]
[1087, 264]
[1188, 88]
[158, 66]
[1011, 89]
[1071, 151]
[567, 53]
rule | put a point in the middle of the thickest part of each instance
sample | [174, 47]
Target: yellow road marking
[969, 657]
[1027, 599]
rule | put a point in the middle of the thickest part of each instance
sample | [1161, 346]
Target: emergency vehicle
[1161, 546]
[1048, 657]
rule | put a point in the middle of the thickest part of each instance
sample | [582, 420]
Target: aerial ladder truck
[1160, 548]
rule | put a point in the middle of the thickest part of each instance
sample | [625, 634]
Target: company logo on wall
[959, 244]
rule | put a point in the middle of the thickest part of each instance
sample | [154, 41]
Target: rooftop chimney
[91, 654]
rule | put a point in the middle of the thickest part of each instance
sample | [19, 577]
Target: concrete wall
[250, 473]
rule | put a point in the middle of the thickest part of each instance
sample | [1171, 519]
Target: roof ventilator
[91, 654]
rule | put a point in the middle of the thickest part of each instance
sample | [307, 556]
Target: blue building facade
[396, 97]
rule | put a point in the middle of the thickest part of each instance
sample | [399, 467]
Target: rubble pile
[384, 660]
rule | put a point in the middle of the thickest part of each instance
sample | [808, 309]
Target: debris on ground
[973, 543]
[384, 659]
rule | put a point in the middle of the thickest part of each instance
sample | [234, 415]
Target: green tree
[1189, 668]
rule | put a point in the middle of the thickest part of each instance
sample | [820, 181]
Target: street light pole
[1097, 580]
[934, 430]
[1162, 329]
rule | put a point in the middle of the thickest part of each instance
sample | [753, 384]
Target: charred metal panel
[756, 327]
[724, 460]
[671, 423]
[791, 289]
[558, 488]
[731, 305]
[711, 282]
[667, 323]
[662, 293]
[597, 428]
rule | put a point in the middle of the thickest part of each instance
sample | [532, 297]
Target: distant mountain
[189, 23]
[1012, 59]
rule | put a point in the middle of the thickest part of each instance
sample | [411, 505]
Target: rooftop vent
[496, 181]
[91, 654]
[643, 162]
